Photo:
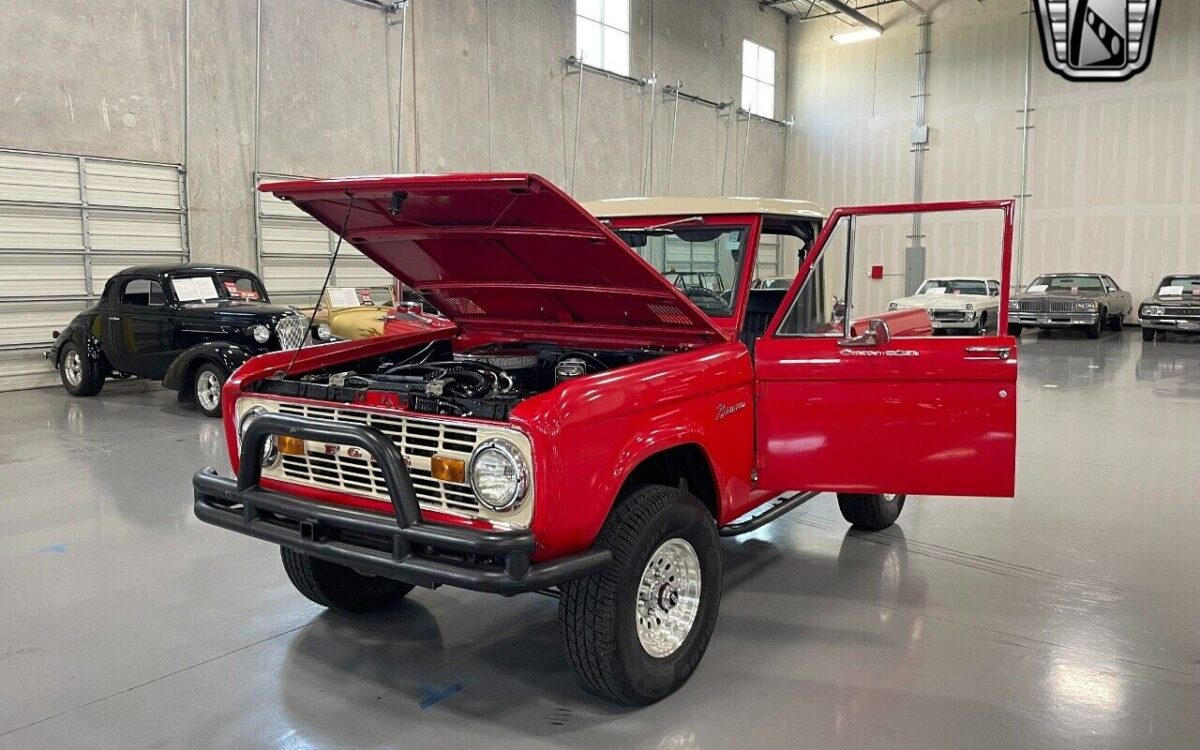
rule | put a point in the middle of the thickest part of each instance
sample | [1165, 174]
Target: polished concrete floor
[1068, 617]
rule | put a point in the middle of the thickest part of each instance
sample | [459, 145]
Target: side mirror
[877, 334]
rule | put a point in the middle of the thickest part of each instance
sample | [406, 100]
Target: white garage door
[68, 223]
[294, 252]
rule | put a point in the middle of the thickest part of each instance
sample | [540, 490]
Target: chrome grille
[1182, 312]
[1047, 305]
[950, 315]
[291, 329]
[416, 439]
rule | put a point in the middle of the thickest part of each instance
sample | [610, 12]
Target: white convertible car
[957, 305]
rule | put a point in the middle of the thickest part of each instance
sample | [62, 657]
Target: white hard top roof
[688, 206]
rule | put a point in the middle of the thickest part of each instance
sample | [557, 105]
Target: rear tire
[1116, 323]
[80, 374]
[636, 631]
[1147, 334]
[1014, 330]
[338, 587]
[206, 388]
[870, 512]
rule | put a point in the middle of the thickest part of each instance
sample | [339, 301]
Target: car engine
[487, 383]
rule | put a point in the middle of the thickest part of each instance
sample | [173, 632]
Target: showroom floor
[1065, 618]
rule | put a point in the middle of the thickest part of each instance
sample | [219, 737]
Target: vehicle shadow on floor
[518, 678]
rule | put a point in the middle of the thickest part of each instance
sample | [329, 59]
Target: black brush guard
[400, 547]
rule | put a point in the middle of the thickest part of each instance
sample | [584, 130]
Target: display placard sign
[1172, 291]
[343, 296]
[195, 289]
[1035, 288]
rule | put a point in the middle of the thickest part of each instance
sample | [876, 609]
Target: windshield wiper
[665, 224]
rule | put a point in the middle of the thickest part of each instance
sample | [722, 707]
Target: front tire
[1147, 334]
[870, 512]
[1094, 331]
[206, 388]
[338, 587]
[636, 631]
[1014, 330]
[980, 325]
[80, 374]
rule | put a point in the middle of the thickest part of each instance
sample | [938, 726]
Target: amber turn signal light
[292, 446]
[448, 469]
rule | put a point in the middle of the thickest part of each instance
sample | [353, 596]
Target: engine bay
[487, 382]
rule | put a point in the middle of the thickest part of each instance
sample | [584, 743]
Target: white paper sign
[1171, 291]
[195, 289]
[343, 296]
[936, 290]
[1035, 288]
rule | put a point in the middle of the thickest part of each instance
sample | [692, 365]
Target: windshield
[1177, 286]
[1066, 284]
[702, 262]
[954, 286]
[778, 282]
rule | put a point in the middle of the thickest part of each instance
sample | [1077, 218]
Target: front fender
[224, 353]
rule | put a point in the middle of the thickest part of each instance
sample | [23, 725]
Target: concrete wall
[1114, 169]
[484, 89]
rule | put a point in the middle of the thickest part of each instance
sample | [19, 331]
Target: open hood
[503, 251]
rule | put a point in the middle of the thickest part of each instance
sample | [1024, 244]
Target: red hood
[503, 251]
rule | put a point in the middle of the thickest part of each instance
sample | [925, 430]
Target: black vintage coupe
[189, 325]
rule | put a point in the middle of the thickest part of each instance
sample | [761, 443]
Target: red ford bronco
[612, 399]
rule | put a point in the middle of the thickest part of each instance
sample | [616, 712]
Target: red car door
[883, 407]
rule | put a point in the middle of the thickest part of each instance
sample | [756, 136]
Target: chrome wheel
[208, 390]
[73, 368]
[668, 598]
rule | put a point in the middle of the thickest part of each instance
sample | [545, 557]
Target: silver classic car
[1174, 308]
[1090, 301]
[957, 305]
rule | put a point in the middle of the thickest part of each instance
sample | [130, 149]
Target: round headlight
[270, 445]
[1153, 310]
[324, 332]
[261, 333]
[498, 475]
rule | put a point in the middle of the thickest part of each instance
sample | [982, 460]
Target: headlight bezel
[1086, 305]
[324, 332]
[1153, 311]
[260, 333]
[271, 452]
[1014, 305]
[514, 498]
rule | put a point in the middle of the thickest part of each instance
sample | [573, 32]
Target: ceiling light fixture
[858, 34]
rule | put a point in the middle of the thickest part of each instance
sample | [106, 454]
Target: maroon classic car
[588, 428]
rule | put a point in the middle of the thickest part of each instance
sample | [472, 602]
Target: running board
[785, 505]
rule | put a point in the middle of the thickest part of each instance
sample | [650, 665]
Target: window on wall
[602, 34]
[758, 79]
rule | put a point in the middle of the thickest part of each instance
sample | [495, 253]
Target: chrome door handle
[118, 320]
[988, 352]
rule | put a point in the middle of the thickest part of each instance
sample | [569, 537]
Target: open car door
[881, 404]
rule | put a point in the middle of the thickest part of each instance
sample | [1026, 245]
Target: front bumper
[1053, 319]
[1177, 325]
[401, 547]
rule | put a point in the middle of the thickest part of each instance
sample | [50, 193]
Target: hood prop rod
[328, 276]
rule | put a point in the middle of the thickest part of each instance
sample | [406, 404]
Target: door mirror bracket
[877, 334]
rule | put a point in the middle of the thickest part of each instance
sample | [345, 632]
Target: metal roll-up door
[68, 223]
[294, 252]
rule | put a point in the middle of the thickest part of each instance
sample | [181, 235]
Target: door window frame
[1006, 206]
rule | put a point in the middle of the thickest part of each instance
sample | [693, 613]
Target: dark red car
[585, 428]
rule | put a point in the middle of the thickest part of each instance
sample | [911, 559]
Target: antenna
[324, 285]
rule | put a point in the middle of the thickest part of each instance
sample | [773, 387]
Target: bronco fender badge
[724, 410]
